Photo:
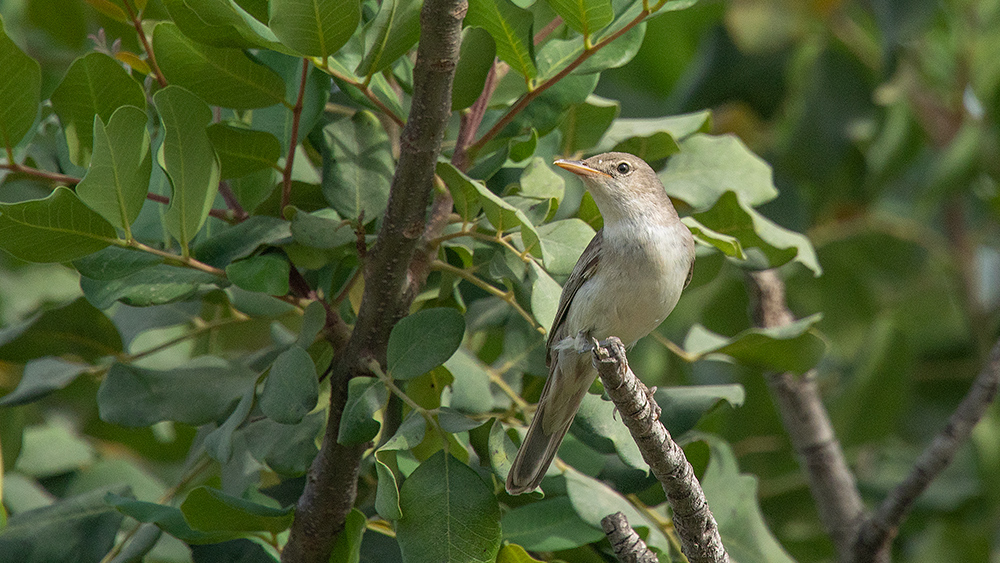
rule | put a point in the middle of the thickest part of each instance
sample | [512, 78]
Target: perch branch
[808, 425]
[628, 546]
[693, 520]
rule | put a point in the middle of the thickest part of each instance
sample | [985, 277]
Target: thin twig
[507, 296]
[137, 24]
[224, 214]
[366, 91]
[293, 143]
[44, 174]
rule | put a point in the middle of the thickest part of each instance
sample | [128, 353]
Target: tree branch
[808, 425]
[293, 143]
[693, 520]
[876, 534]
[331, 485]
[628, 546]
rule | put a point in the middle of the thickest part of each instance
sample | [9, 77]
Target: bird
[628, 279]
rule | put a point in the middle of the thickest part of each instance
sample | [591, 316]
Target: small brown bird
[624, 284]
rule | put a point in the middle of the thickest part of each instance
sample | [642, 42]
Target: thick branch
[331, 484]
[876, 534]
[808, 425]
[693, 521]
[628, 546]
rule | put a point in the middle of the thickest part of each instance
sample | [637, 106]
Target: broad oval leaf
[708, 166]
[243, 151]
[423, 341]
[390, 35]
[357, 166]
[794, 347]
[212, 510]
[511, 29]
[449, 514]
[548, 525]
[266, 273]
[42, 376]
[584, 16]
[474, 62]
[221, 76]
[20, 89]
[189, 160]
[59, 228]
[118, 179]
[365, 396]
[97, 85]
[316, 28]
[292, 387]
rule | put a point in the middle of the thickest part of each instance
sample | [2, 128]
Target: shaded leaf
[202, 391]
[118, 179]
[728, 245]
[587, 122]
[154, 285]
[390, 35]
[474, 62]
[683, 407]
[563, 243]
[94, 85]
[167, 518]
[545, 294]
[449, 514]
[409, 435]
[347, 546]
[292, 387]
[584, 16]
[76, 329]
[236, 241]
[593, 500]
[365, 396]
[597, 425]
[221, 76]
[357, 166]
[59, 228]
[212, 510]
[219, 442]
[709, 166]
[463, 190]
[265, 273]
[548, 525]
[794, 347]
[316, 28]
[322, 229]
[471, 383]
[20, 89]
[288, 449]
[42, 376]
[243, 151]
[422, 341]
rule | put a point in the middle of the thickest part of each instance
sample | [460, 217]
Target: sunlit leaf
[317, 28]
[510, 28]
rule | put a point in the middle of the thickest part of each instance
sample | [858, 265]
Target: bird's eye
[624, 168]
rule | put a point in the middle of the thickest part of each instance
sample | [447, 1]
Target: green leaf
[733, 498]
[474, 62]
[584, 16]
[424, 340]
[729, 245]
[59, 228]
[53, 449]
[449, 514]
[347, 546]
[409, 435]
[511, 29]
[189, 160]
[357, 166]
[540, 181]
[77, 329]
[80, 528]
[586, 123]
[470, 388]
[390, 35]
[265, 273]
[202, 391]
[167, 518]
[502, 450]
[288, 449]
[279, 119]
[709, 166]
[212, 510]
[794, 347]
[222, 23]
[463, 190]
[563, 243]
[20, 90]
[656, 138]
[548, 525]
[504, 217]
[365, 396]
[154, 285]
[597, 425]
[221, 76]
[316, 28]
[322, 229]
[237, 241]
[545, 294]
[115, 262]
[42, 376]
[243, 151]
[683, 407]
[513, 553]
[765, 244]
[118, 179]
[292, 387]
[94, 85]
[219, 442]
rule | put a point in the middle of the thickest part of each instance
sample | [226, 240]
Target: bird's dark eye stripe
[624, 168]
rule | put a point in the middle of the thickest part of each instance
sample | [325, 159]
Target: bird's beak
[579, 168]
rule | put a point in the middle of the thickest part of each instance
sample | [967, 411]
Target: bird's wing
[582, 271]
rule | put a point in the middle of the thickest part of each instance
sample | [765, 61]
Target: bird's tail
[557, 406]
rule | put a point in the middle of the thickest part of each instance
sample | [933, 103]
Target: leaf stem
[186, 261]
[364, 90]
[677, 350]
[293, 143]
[579, 60]
[507, 296]
[226, 215]
[137, 24]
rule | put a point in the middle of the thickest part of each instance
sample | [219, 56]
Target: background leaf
[20, 86]
[357, 167]
[58, 228]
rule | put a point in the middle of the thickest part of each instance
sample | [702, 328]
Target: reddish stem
[223, 214]
[293, 143]
[52, 176]
[137, 24]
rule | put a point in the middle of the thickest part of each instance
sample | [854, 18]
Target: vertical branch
[293, 143]
[331, 484]
[808, 425]
[137, 24]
